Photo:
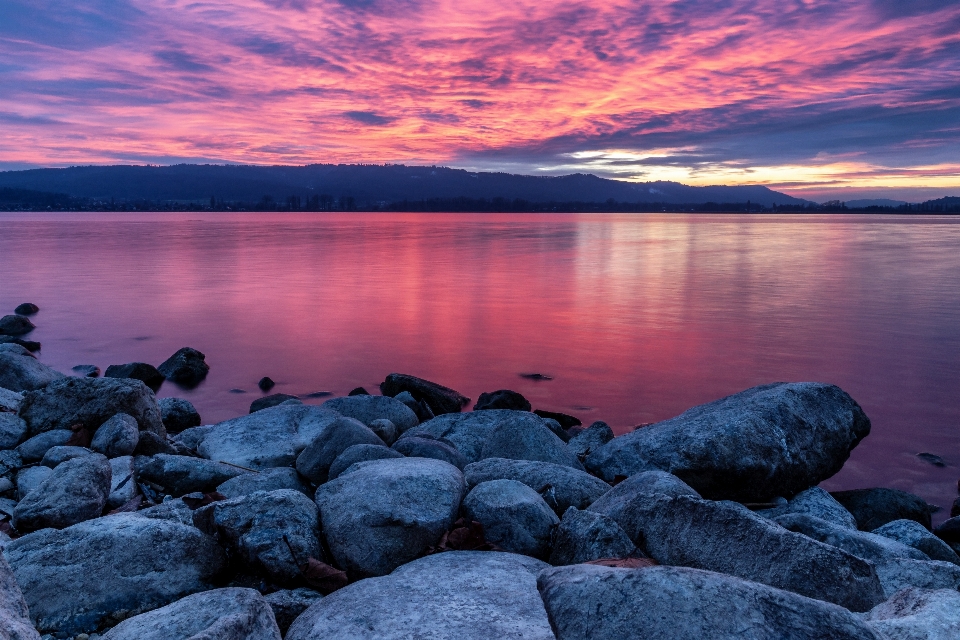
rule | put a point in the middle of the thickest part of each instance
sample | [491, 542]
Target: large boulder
[186, 367]
[117, 437]
[876, 549]
[180, 475]
[314, 461]
[728, 538]
[360, 453]
[467, 431]
[220, 614]
[873, 508]
[14, 616]
[584, 536]
[78, 579]
[914, 534]
[772, 440]
[178, 414]
[15, 325]
[628, 502]
[562, 486]
[146, 373]
[527, 437]
[380, 514]
[426, 447]
[366, 409]
[89, 402]
[814, 502]
[468, 595]
[918, 614]
[271, 437]
[29, 478]
[21, 371]
[440, 399]
[675, 603]
[898, 573]
[266, 480]
[77, 490]
[13, 430]
[263, 530]
[514, 517]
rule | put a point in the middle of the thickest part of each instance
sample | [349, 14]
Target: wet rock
[380, 514]
[89, 402]
[315, 460]
[898, 573]
[419, 407]
[583, 536]
[366, 409]
[918, 614]
[178, 414]
[123, 562]
[23, 372]
[13, 430]
[873, 508]
[768, 441]
[180, 475]
[440, 399]
[116, 437]
[567, 487]
[565, 421]
[675, 603]
[30, 345]
[186, 367]
[814, 502]
[360, 453]
[288, 604]
[728, 538]
[502, 399]
[272, 437]
[913, 534]
[266, 480]
[590, 439]
[266, 384]
[629, 501]
[15, 325]
[26, 309]
[425, 447]
[58, 455]
[220, 614]
[359, 391]
[33, 449]
[146, 373]
[86, 370]
[123, 482]
[468, 595]
[514, 517]
[864, 545]
[76, 491]
[29, 478]
[10, 400]
[272, 401]
[14, 617]
[150, 444]
[385, 430]
[526, 437]
[260, 529]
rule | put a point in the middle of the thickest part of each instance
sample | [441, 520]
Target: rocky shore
[406, 515]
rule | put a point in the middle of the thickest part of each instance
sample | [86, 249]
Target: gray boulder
[381, 514]
[271, 437]
[266, 480]
[728, 538]
[859, 543]
[440, 399]
[186, 367]
[121, 564]
[178, 414]
[562, 486]
[263, 530]
[468, 595]
[385, 430]
[314, 461]
[918, 614]
[898, 573]
[58, 455]
[123, 482]
[33, 449]
[23, 372]
[288, 604]
[220, 614]
[768, 441]
[366, 409]
[873, 508]
[14, 617]
[10, 400]
[424, 447]
[814, 502]
[913, 534]
[675, 603]
[13, 430]
[116, 437]
[29, 478]
[360, 453]
[180, 475]
[15, 325]
[584, 536]
[526, 437]
[467, 431]
[628, 502]
[514, 517]
[77, 490]
[590, 439]
[90, 402]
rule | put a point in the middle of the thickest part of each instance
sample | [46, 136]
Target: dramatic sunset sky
[818, 98]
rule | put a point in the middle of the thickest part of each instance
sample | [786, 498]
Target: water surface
[636, 317]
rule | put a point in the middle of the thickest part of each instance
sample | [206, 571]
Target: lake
[635, 317]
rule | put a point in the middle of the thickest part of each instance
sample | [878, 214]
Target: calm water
[637, 317]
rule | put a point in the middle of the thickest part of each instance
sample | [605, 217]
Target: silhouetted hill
[367, 185]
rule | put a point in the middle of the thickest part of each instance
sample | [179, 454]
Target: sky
[820, 99]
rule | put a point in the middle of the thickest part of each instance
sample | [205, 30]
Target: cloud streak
[740, 90]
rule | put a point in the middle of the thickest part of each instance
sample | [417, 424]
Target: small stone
[186, 367]
[933, 459]
[514, 517]
[117, 437]
[441, 399]
[55, 456]
[26, 309]
[314, 461]
[590, 439]
[178, 414]
[584, 536]
[566, 421]
[266, 384]
[146, 373]
[266, 480]
[359, 391]
[502, 399]
[385, 430]
[33, 449]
